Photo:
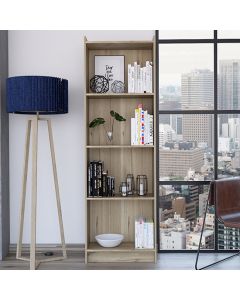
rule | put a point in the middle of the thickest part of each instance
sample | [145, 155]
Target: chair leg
[23, 195]
[199, 246]
[54, 166]
[34, 194]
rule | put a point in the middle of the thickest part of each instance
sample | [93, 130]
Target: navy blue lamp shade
[37, 94]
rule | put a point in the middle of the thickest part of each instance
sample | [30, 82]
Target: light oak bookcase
[117, 214]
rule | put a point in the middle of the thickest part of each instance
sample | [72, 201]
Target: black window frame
[215, 112]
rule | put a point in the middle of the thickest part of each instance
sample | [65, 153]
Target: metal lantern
[130, 184]
[123, 189]
[142, 187]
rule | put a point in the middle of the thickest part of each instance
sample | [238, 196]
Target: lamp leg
[54, 166]
[34, 193]
[24, 185]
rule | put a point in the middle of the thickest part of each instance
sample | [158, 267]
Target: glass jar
[142, 187]
[130, 184]
[123, 189]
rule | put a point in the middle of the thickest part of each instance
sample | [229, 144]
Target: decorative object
[99, 84]
[130, 184]
[101, 121]
[142, 187]
[111, 67]
[37, 95]
[117, 87]
[109, 240]
[123, 189]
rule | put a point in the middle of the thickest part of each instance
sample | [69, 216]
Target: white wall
[54, 53]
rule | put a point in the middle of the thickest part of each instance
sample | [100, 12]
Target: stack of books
[140, 79]
[142, 127]
[99, 183]
[144, 233]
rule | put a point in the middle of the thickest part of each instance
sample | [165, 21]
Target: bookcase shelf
[118, 197]
[119, 146]
[118, 214]
[120, 95]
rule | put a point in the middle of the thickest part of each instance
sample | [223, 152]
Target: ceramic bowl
[109, 240]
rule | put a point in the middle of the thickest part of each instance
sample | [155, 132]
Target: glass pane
[181, 212]
[228, 238]
[229, 76]
[229, 34]
[228, 145]
[186, 147]
[186, 79]
[185, 34]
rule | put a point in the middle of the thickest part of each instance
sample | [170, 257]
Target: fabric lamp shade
[37, 94]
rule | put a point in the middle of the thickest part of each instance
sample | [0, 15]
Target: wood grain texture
[116, 215]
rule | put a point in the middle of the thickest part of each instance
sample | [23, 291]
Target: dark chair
[225, 195]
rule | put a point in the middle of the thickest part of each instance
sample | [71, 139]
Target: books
[144, 233]
[140, 78]
[141, 127]
[99, 183]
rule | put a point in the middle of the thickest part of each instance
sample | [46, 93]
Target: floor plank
[166, 261]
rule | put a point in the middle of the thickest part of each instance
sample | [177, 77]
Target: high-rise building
[197, 89]
[229, 84]
[176, 163]
[199, 128]
[186, 210]
[228, 238]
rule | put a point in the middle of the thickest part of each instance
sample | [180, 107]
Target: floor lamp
[37, 95]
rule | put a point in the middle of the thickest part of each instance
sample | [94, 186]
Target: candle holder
[123, 189]
[130, 184]
[142, 186]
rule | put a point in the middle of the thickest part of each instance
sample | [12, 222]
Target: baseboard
[47, 247]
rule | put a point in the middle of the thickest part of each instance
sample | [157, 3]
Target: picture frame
[111, 67]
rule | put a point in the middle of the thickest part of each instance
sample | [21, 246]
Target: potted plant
[101, 121]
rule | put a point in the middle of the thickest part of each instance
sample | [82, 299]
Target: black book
[99, 176]
[94, 178]
[104, 184]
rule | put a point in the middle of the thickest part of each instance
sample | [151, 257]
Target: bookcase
[117, 214]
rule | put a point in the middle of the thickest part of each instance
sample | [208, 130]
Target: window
[198, 133]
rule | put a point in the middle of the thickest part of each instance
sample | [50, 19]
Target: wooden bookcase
[117, 214]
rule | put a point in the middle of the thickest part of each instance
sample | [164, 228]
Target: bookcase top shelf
[93, 247]
[120, 95]
[118, 197]
[119, 45]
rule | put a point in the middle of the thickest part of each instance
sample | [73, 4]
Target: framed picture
[111, 67]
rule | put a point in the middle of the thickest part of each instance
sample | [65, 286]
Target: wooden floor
[172, 261]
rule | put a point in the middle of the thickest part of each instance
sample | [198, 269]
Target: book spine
[136, 234]
[147, 77]
[129, 79]
[135, 77]
[145, 235]
[150, 78]
[136, 126]
[151, 129]
[89, 180]
[100, 170]
[141, 80]
[145, 127]
[138, 79]
[112, 186]
[142, 127]
[104, 184]
[144, 80]
[150, 235]
[132, 79]
[133, 131]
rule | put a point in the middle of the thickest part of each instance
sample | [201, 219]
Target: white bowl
[109, 240]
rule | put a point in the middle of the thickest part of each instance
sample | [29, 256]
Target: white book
[151, 129]
[150, 77]
[129, 79]
[132, 79]
[133, 131]
[136, 234]
[142, 127]
[145, 235]
[141, 80]
[147, 76]
[144, 79]
[138, 79]
[135, 77]
[150, 235]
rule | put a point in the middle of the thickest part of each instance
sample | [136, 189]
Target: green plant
[101, 121]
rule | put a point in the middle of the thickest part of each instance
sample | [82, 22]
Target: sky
[175, 59]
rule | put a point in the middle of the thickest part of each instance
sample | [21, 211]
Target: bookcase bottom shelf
[126, 252]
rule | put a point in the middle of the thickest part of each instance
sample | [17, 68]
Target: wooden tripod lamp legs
[33, 125]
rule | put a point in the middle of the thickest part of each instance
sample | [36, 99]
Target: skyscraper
[229, 84]
[197, 89]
